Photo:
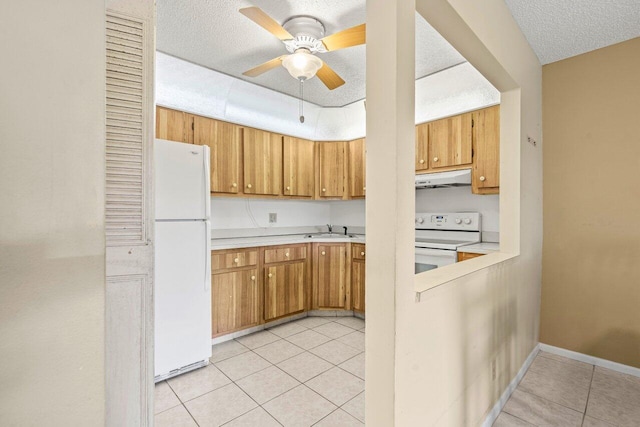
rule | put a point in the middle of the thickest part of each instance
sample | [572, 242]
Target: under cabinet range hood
[457, 178]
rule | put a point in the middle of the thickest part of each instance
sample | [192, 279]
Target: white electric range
[439, 235]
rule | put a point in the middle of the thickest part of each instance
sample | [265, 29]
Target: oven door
[428, 259]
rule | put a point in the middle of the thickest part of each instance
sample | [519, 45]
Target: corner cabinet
[330, 284]
[486, 138]
[236, 301]
[358, 277]
[286, 274]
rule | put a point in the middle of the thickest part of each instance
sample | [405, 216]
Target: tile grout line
[183, 405]
[586, 405]
[550, 401]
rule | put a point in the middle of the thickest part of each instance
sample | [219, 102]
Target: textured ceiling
[212, 33]
[559, 29]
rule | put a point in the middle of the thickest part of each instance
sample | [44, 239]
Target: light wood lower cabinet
[235, 300]
[330, 290]
[284, 289]
[463, 256]
[358, 277]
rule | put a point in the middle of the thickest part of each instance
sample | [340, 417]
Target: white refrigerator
[182, 258]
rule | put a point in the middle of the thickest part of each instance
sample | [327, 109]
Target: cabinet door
[422, 147]
[331, 160]
[224, 140]
[330, 277]
[262, 162]
[235, 301]
[450, 141]
[299, 162]
[357, 284]
[174, 125]
[486, 137]
[284, 289]
[357, 168]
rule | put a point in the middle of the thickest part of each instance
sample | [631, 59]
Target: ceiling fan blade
[329, 77]
[263, 68]
[346, 38]
[265, 21]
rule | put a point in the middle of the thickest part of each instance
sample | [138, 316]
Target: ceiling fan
[303, 37]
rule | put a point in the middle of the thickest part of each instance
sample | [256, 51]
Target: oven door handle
[440, 253]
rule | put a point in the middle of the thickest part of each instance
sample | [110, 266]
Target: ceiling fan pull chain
[301, 105]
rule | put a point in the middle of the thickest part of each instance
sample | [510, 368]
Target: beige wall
[591, 260]
[51, 213]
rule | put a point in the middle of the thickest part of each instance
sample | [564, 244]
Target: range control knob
[467, 221]
[419, 220]
[458, 221]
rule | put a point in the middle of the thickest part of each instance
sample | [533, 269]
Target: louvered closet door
[129, 220]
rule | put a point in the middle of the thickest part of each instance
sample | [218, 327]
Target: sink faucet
[330, 228]
[345, 230]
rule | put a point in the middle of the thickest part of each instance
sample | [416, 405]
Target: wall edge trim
[581, 357]
[497, 408]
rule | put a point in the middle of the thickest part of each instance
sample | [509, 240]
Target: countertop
[480, 248]
[289, 239]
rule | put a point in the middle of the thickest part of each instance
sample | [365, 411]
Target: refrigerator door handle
[207, 181]
[207, 262]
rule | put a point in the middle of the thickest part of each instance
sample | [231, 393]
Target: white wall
[52, 254]
[348, 212]
[460, 199]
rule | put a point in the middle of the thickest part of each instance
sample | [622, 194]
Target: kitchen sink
[329, 236]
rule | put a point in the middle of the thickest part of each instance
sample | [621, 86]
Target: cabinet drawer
[285, 253]
[232, 259]
[358, 251]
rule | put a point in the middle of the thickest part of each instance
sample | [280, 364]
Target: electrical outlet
[273, 218]
[493, 369]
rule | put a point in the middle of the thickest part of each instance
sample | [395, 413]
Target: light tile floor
[557, 391]
[309, 372]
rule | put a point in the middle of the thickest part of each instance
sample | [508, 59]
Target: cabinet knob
[236, 260]
[248, 185]
[364, 188]
[421, 161]
[253, 277]
[361, 253]
[482, 178]
[435, 159]
[270, 275]
[288, 188]
[324, 190]
[322, 253]
[287, 254]
[234, 185]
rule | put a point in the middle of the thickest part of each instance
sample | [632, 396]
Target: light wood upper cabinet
[330, 276]
[422, 147]
[174, 125]
[235, 301]
[262, 162]
[486, 137]
[225, 144]
[284, 289]
[331, 176]
[299, 167]
[357, 168]
[358, 277]
[450, 141]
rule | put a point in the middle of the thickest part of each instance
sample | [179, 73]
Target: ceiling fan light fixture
[302, 65]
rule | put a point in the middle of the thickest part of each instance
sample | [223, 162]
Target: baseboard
[497, 408]
[580, 357]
